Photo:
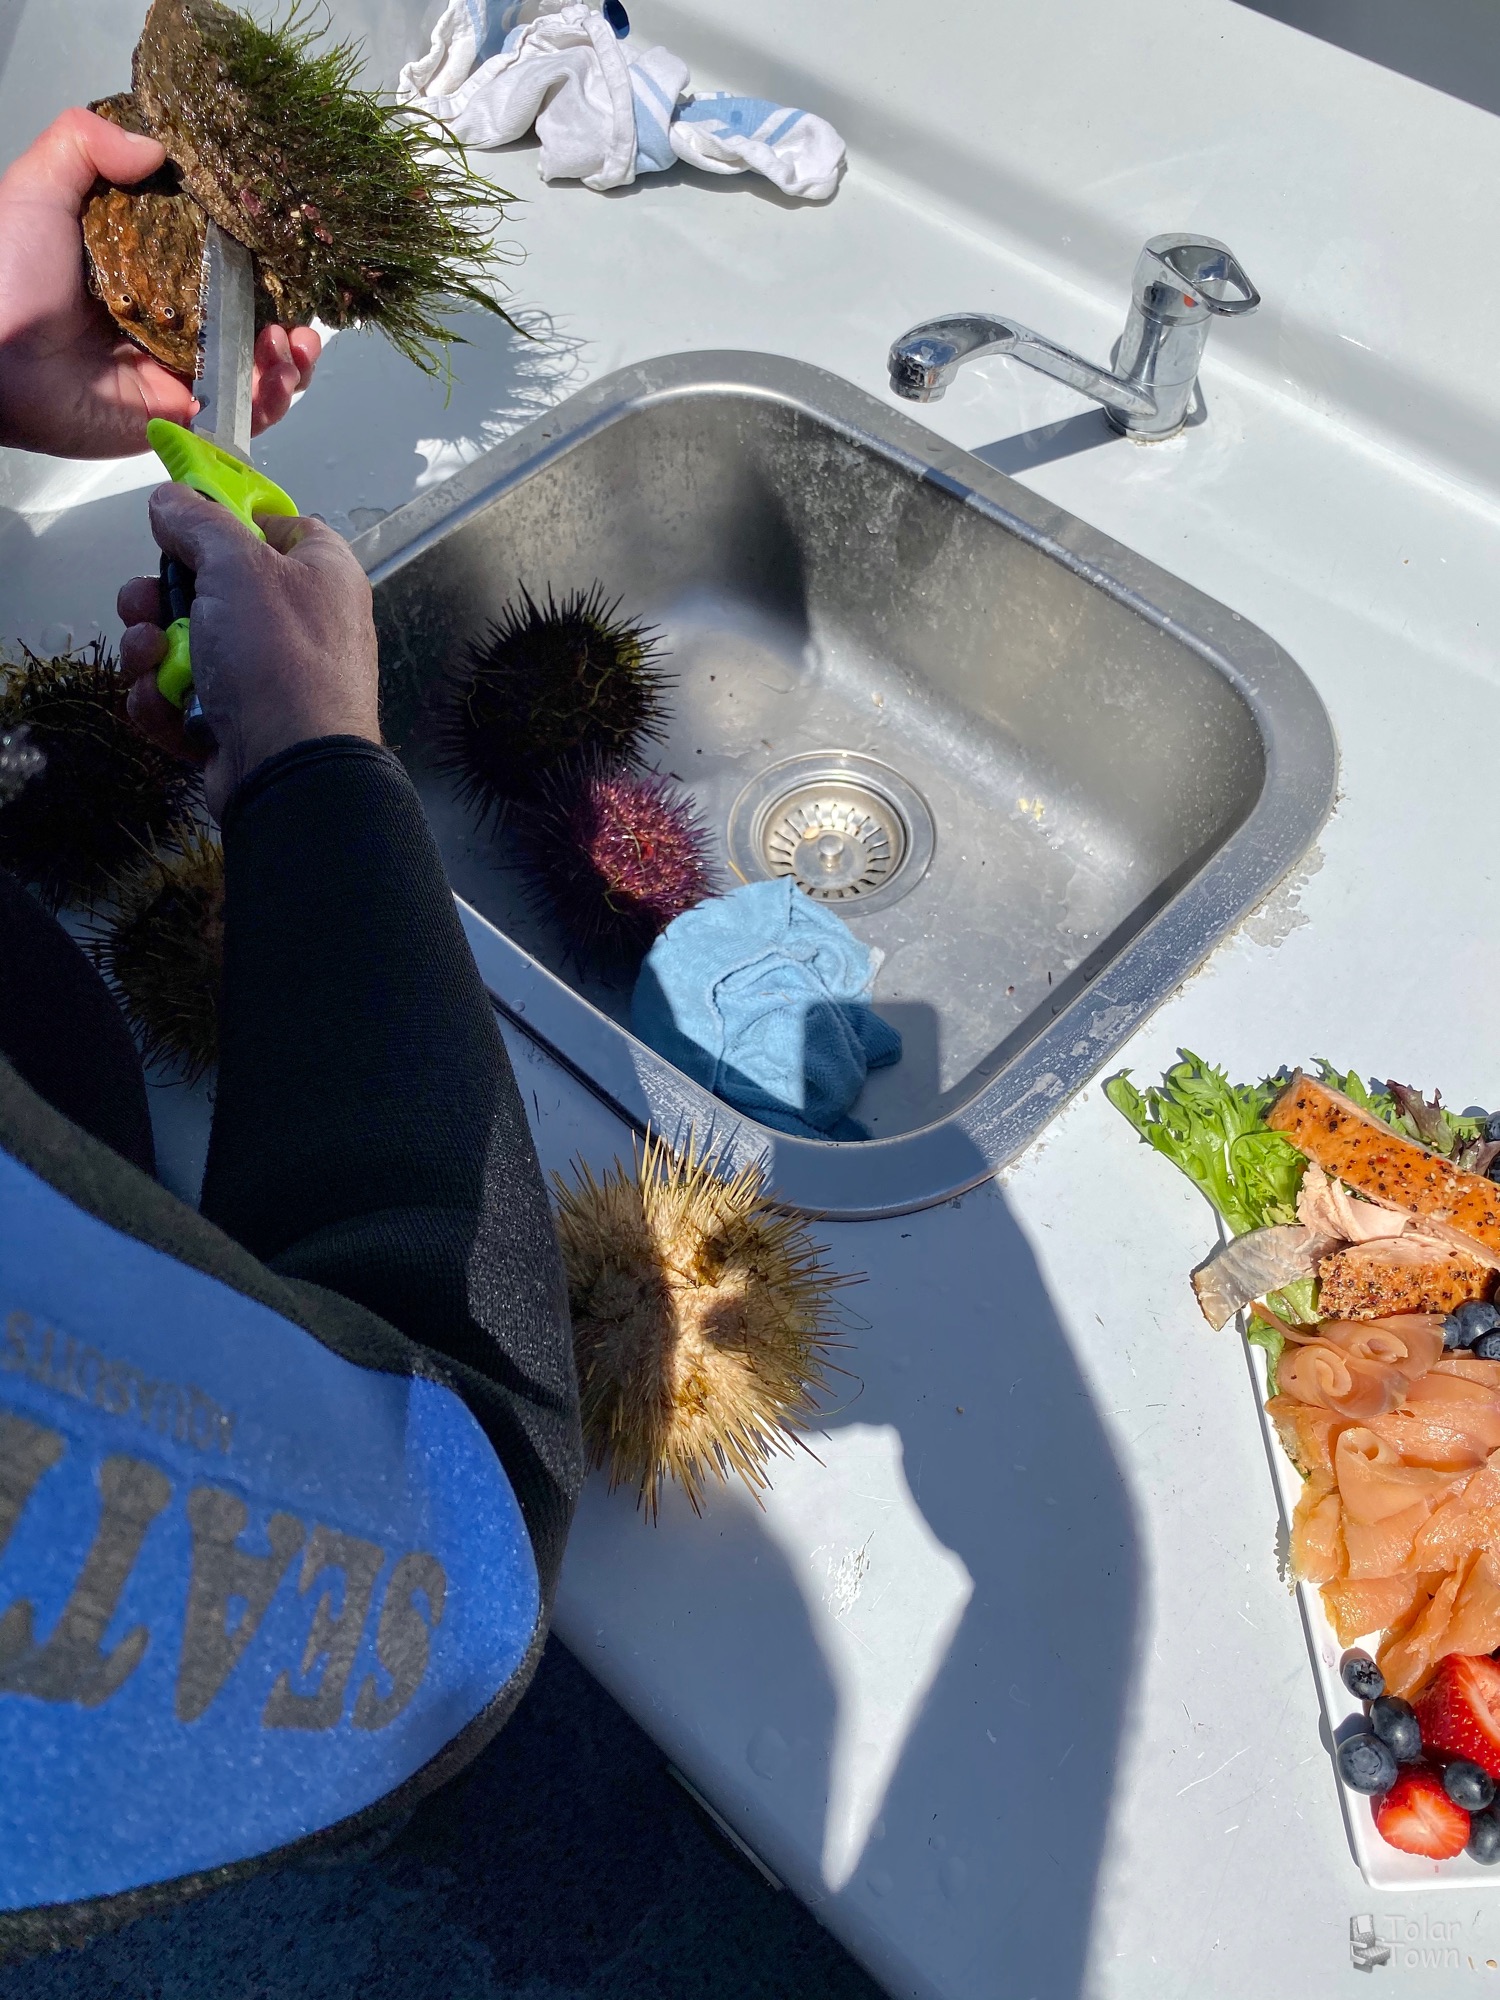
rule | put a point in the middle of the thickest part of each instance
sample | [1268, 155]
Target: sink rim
[917, 1169]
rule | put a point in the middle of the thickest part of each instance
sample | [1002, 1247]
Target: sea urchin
[616, 855]
[105, 791]
[544, 682]
[700, 1321]
[162, 949]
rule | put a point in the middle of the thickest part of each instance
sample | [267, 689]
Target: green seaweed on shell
[358, 213]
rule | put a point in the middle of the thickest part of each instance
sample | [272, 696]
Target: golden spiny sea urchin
[356, 212]
[701, 1321]
[161, 949]
[104, 792]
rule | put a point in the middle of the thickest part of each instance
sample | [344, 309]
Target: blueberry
[1362, 1677]
[1472, 1319]
[1492, 1128]
[1366, 1764]
[1394, 1721]
[1468, 1785]
[1487, 1347]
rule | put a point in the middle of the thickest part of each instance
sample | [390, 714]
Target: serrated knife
[214, 456]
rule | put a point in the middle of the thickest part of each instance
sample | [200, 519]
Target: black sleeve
[367, 1130]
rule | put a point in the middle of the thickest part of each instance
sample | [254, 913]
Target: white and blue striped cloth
[604, 108]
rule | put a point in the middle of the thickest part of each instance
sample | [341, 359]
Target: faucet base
[1139, 435]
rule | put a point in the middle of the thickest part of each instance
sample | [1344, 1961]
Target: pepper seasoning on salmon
[1364, 1153]
[1400, 1274]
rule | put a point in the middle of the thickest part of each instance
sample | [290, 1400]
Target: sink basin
[1043, 776]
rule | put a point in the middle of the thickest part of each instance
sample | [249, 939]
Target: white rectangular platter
[1383, 1866]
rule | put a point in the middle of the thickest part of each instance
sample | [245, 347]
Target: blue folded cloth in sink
[763, 996]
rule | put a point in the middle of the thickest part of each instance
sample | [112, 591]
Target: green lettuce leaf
[1273, 1340]
[1212, 1130]
[1379, 1103]
[1297, 1303]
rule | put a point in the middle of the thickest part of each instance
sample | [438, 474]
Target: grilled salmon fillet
[1400, 1275]
[1369, 1157]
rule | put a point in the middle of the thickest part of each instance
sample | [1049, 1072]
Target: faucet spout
[1183, 282]
[925, 360]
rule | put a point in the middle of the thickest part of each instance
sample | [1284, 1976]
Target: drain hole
[837, 845]
[845, 827]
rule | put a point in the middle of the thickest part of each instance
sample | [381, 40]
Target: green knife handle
[175, 674]
[219, 475]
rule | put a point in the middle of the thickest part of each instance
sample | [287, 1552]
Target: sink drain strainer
[848, 829]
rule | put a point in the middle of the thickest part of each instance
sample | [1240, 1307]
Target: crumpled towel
[604, 108]
[763, 996]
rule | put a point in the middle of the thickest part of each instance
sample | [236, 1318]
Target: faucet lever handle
[1197, 270]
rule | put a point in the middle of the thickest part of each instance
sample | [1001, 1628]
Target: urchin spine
[616, 855]
[701, 1321]
[545, 683]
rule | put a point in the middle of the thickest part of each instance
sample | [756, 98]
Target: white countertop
[1004, 1682]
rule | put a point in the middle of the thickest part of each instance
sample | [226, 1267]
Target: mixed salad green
[1214, 1131]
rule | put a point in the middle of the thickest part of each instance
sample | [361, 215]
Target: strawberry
[1460, 1712]
[1418, 1816]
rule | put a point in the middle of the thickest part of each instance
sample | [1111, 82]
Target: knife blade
[214, 456]
[226, 343]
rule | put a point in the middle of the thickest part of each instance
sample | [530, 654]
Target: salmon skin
[1368, 1156]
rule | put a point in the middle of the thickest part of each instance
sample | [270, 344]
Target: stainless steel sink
[1042, 775]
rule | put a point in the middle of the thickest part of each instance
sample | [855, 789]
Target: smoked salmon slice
[1375, 1486]
[1318, 1532]
[1308, 1431]
[1374, 1604]
[1462, 1616]
[1318, 1372]
[1429, 1435]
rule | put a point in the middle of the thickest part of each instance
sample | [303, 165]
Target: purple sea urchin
[162, 949]
[104, 792]
[543, 683]
[616, 855]
[700, 1321]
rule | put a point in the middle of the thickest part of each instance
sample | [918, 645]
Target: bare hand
[282, 634]
[70, 383]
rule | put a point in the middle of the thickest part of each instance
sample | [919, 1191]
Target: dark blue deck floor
[571, 1867]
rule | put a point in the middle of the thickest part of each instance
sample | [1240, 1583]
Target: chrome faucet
[1182, 282]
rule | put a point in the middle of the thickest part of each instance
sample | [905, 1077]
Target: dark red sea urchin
[616, 855]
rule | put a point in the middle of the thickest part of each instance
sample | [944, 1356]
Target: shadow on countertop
[1451, 45]
[567, 1865]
